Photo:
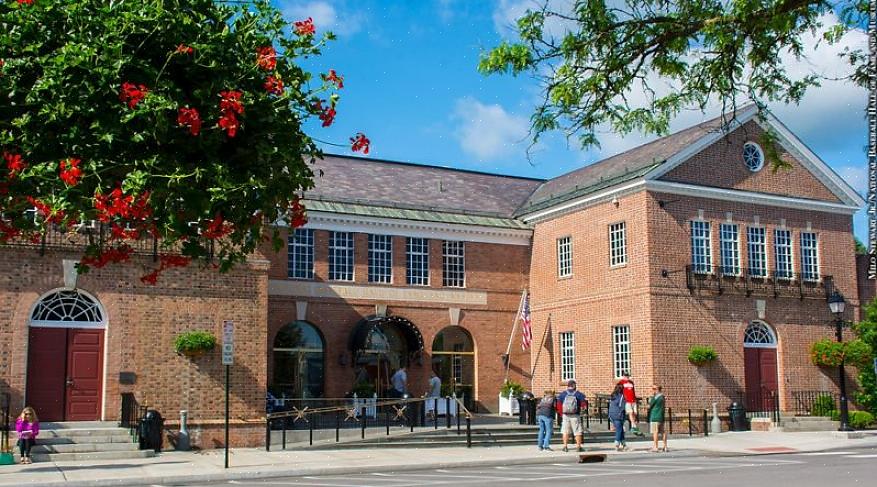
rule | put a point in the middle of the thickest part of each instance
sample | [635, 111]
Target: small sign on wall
[227, 342]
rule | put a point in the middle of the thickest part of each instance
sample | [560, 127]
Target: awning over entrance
[362, 339]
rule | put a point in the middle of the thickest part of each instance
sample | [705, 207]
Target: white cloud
[488, 131]
[856, 176]
[341, 20]
[507, 12]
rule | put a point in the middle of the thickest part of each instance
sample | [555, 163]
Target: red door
[85, 366]
[762, 382]
[46, 369]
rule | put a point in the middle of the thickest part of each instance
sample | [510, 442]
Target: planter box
[508, 405]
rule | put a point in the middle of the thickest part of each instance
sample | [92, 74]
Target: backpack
[570, 404]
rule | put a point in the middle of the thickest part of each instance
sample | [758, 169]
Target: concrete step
[810, 426]
[804, 419]
[84, 447]
[79, 425]
[70, 440]
[76, 433]
[88, 456]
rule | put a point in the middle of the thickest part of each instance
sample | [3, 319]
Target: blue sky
[412, 86]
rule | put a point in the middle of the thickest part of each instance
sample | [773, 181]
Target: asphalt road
[823, 469]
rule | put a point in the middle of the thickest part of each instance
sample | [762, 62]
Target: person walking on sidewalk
[616, 415]
[570, 405]
[630, 402]
[656, 417]
[28, 427]
[545, 417]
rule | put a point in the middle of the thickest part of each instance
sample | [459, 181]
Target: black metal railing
[692, 421]
[763, 404]
[56, 237]
[814, 403]
[131, 415]
[5, 416]
[366, 415]
[718, 280]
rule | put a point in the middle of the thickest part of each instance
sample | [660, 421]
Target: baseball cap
[571, 383]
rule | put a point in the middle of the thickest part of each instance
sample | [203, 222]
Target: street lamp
[837, 304]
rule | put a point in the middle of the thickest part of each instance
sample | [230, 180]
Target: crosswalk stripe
[862, 456]
[827, 453]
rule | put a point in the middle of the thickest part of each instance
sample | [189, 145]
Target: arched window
[299, 361]
[759, 335]
[68, 308]
[453, 360]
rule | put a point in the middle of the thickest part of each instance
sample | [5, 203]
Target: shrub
[194, 342]
[829, 353]
[861, 419]
[702, 354]
[511, 388]
[822, 406]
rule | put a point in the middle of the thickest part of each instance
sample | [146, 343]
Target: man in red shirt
[630, 402]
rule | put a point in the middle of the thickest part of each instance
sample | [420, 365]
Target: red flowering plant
[192, 133]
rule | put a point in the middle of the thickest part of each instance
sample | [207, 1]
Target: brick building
[688, 240]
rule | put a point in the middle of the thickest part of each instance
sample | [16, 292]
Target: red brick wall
[721, 165]
[143, 322]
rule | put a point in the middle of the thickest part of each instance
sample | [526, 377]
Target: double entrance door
[762, 384]
[65, 373]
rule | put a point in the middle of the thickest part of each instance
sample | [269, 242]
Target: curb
[255, 474]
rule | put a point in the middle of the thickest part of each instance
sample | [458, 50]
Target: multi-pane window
[756, 251]
[621, 349]
[567, 356]
[300, 254]
[782, 246]
[564, 257]
[617, 244]
[417, 261]
[341, 256]
[380, 259]
[730, 247]
[809, 257]
[457, 364]
[701, 255]
[453, 264]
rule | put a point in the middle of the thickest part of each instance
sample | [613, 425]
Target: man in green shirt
[656, 417]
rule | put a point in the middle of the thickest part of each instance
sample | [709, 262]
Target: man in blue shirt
[570, 404]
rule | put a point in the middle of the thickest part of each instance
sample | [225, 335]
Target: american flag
[527, 331]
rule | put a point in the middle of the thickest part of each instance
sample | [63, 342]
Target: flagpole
[541, 345]
[508, 349]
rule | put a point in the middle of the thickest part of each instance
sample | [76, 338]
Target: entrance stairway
[807, 423]
[78, 441]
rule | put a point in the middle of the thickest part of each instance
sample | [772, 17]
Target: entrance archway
[299, 361]
[760, 365]
[65, 359]
[453, 360]
[380, 345]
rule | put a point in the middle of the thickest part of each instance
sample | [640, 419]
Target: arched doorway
[380, 345]
[453, 360]
[299, 361]
[760, 364]
[65, 359]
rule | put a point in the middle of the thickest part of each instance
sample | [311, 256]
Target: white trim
[741, 117]
[578, 203]
[381, 293]
[319, 220]
[749, 197]
[771, 332]
[87, 325]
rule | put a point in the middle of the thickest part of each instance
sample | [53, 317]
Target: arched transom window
[67, 308]
[759, 335]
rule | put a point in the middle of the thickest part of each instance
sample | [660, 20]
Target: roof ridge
[429, 166]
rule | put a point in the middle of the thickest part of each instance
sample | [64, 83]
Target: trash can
[527, 409]
[151, 428]
[737, 417]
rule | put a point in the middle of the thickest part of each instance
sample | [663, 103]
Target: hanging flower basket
[700, 355]
[194, 344]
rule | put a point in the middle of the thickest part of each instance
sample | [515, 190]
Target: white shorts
[571, 425]
[630, 407]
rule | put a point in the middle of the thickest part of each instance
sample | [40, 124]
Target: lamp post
[837, 304]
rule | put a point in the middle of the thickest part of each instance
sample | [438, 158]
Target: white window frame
[380, 259]
[756, 251]
[564, 256]
[300, 254]
[729, 248]
[617, 244]
[621, 349]
[453, 263]
[810, 256]
[701, 247]
[784, 262]
[567, 356]
[417, 261]
[341, 256]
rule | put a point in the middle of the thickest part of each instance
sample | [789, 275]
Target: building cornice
[323, 290]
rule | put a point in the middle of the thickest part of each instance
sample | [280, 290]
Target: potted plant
[194, 343]
[508, 397]
[702, 354]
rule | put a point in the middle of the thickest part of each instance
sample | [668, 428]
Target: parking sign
[227, 342]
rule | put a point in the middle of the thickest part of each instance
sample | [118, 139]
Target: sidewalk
[248, 463]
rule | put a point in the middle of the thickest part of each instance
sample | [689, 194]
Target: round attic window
[753, 156]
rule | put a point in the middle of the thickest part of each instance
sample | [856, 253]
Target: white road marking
[862, 456]
[826, 453]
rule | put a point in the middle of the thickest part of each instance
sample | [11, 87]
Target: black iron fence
[763, 404]
[719, 280]
[814, 403]
[366, 415]
[132, 415]
[5, 416]
[686, 421]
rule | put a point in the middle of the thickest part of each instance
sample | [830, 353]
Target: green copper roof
[412, 214]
